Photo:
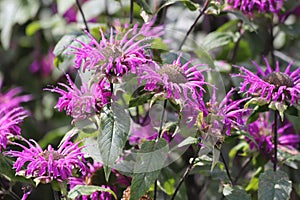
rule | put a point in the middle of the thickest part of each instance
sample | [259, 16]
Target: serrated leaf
[114, 130]
[235, 193]
[150, 160]
[255, 114]
[274, 186]
[84, 190]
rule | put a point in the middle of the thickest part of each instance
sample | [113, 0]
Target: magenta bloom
[9, 123]
[262, 6]
[272, 85]
[174, 80]
[11, 114]
[47, 165]
[11, 99]
[94, 176]
[83, 102]
[115, 55]
[227, 114]
[262, 132]
[43, 64]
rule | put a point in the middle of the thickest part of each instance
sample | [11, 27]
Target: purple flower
[262, 132]
[43, 64]
[117, 54]
[9, 123]
[227, 114]
[262, 6]
[11, 99]
[83, 102]
[94, 176]
[173, 80]
[11, 114]
[272, 85]
[50, 164]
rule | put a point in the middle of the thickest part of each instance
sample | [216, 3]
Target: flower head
[11, 99]
[83, 102]
[262, 6]
[174, 80]
[49, 164]
[272, 85]
[115, 55]
[9, 124]
[11, 114]
[227, 114]
[262, 132]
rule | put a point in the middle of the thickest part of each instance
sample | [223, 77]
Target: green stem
[83, 17]
[194, 24]
[131, 11]
[159, 136]
[226, 167]
[186, 173]
[275, 140]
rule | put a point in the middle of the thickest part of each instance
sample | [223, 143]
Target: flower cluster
[272, 85]
[11, 114]
[262, 6]
[173, 80]
[49, 164]
[83, 102]
[262, 132]
[117, 54]
[227, 114]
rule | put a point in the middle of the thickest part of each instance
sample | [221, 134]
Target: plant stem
[83, 17]
[56, 195]
[186, 173]
[131, 11]
[271, 44]
[236, 46]
[242, 170]
[226, 167]
[194, 24]
[275, 140]
[162, 119]
[159, 136]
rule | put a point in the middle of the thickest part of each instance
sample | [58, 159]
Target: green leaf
[189, 4]
[32, 28]
[150, 160]
[6, 170]
[280, 107]
[255, 113]
[65, 42]
[217, 39]
[140, 100]
[274, 186]
[114, 130]
[235, 150]
[144, 5]
[235, 193]
[85, 190]
[245, 20]
[188, 141]
[216, 157]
